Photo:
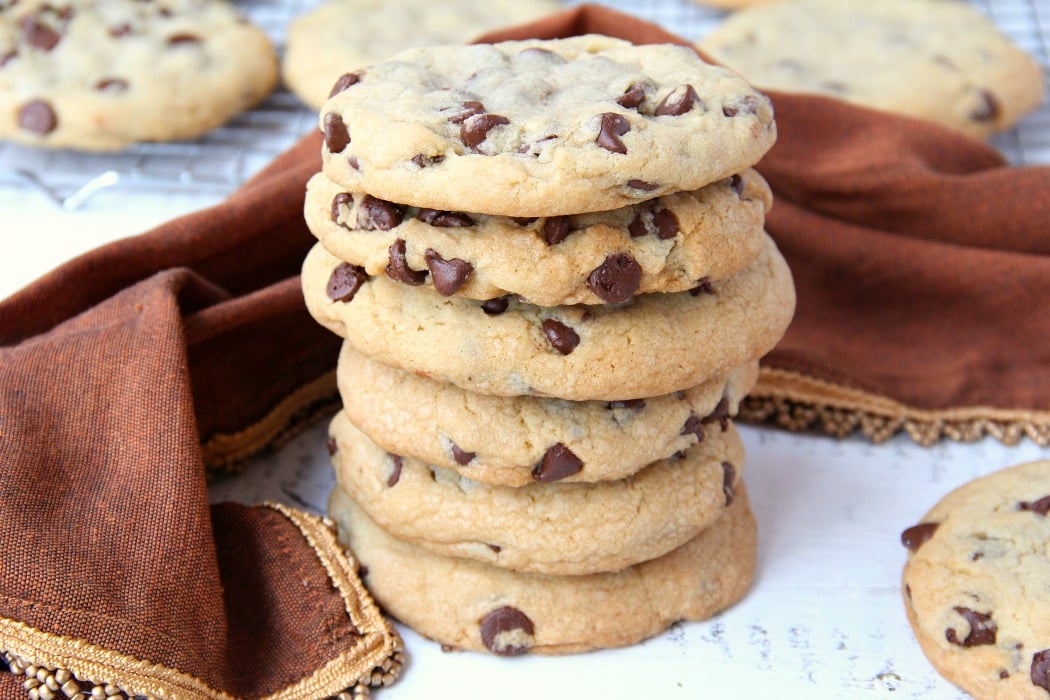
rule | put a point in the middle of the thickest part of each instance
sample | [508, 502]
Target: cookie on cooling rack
[98, 76]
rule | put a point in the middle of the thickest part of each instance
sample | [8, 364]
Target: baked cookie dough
[975, 584]
[541, 128]
[466, 604]
[540, 527]
[340, 36]
[936, 60]
[666, 244]
[655, 344]
[505, 441]
[98, 76]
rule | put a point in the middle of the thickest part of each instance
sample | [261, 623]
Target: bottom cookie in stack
[467, 604]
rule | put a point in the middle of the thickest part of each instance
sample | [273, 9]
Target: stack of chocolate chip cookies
[548, 261]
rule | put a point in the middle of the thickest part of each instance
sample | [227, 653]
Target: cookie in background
[340, 36]
[935, 60]
[100, 76]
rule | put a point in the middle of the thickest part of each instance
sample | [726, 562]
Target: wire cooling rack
[217, 163]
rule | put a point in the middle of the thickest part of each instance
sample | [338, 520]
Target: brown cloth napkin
[921, 274]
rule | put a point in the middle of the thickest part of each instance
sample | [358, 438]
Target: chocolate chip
[345, 281]
[448, 275]
[728, 481]
[558, 462]
[666, 224]
[982, 629]
[630, 404]
[918, 535]
[119, 30]
[1041, 669]
[495, 548]
[747, 105]
[336, 136]
[183, 39]
[736, 183]
[38, 117]
[555, 229]
[703, 286]
[638, 226]
[694, 426]
[642, 185]
[398, 268]
[444, 219]
[616, 279]
[563, 338]
[112, 86]
[613, 126]
[332, 446]
[353, 163]
[494, 307]
[719, 414]
[523, 220]
[462, 456]
[466, 111]
[1042, 506]
[343, 199]
[634, 96]
[502, 621]
[395, 476]
[345, 80]
[475, 129]
[39, 35]
[373, 214]
[988, 110]
[426, 161]
[680, 100]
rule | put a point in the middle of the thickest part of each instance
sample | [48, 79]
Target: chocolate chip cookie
[506, 441]
[941, 61]
[470, 605]
[340, 36]
[666, 244]
[654, 344]
[541, 128]
[99, 76]
[975, 584]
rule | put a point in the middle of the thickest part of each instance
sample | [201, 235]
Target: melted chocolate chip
[988, 110]
[332, 446]
[666, 224]
[39, 35]
[343, 199]
[558, 462]
[500, 621]
[336, 136]
[1042, 506]
[462, 456]
[747, 105]
[38, 117]
[638, 226]
[678, 102]
[183, 40]
[918, 535]
[448, 275]
[719, 414]
[982, 629]
[563, 338]
[1040, 672]
[444, 219]
[616, 279]
[398, 268]
[426, 161]
[112, 86]
[694, 426]
[728, 481]
[555, 229]
[634, 96]
[703, 286]
[345, 281]
[613, 126]
[345, 80]
[395, 476]
[378, 214]
[495, 548]
[642, 185]
[494, 307]
[476, 129]
[1004, 674]
[630, 404]
[466, 111]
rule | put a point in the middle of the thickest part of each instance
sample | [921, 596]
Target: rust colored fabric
[921, 263]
